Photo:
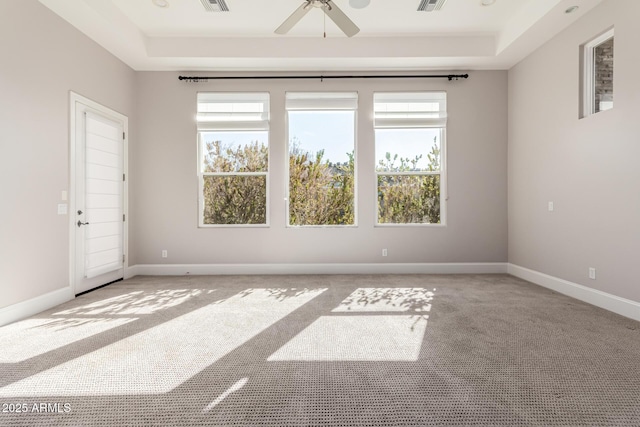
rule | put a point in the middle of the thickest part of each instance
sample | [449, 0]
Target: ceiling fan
[330, 9]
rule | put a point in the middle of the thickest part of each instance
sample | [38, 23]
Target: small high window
[598, 74]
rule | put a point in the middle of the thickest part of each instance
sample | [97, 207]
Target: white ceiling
[394, 36]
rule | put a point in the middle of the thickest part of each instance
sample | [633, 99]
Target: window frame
[589, 72]
[355, 155]
[200, 157]
[444, 197]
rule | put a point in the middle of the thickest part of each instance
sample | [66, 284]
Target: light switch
[550, 206]
[64, 195]
[63, 209]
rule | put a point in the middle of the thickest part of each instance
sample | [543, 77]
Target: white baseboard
[130, 272]
[33, 306]
[622, 306]
[388, 268]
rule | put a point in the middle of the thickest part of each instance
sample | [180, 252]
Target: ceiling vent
[215, 5]
[431, 5]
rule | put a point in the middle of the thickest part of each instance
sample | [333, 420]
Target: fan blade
[341, 20]
[359, 4]
[294, 18]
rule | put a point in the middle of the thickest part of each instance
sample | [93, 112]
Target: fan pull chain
[324, 23]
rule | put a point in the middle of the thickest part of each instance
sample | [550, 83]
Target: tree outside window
[321, 190]
[409, 145]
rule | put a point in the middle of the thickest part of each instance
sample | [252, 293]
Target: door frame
[74, 100]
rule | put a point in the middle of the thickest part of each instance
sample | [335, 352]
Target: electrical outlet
[164, 253]
[592, 273]
[384, 252]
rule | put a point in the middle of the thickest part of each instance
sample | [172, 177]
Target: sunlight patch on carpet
[357, 338]
[33, 337]
[236, 387]
[387, 299]
[161, 358]
[137, 302]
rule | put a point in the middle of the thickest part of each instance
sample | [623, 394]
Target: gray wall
[165, 187]
[589, 168]
[43, 58]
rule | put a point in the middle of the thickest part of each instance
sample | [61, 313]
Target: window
[409, 145]
[321, 158]
[598, 74]
[233, 158]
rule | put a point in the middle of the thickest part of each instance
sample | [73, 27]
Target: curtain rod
[450, 77]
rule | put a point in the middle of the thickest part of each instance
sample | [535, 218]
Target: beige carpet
[414, 350]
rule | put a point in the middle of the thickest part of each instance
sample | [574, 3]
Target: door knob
[82, 223]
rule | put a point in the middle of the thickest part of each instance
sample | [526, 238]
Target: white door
[98, 216]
